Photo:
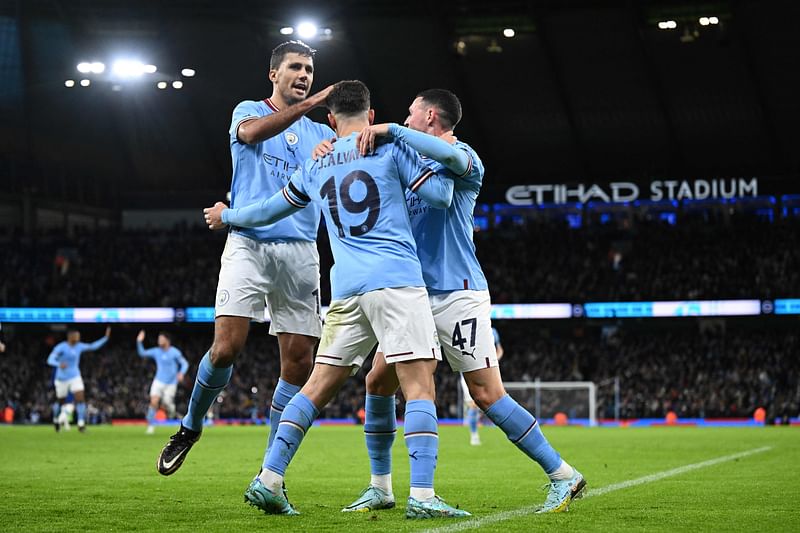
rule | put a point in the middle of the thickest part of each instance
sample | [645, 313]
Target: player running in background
[277, 264]
[171, 366]
[66, 357]
[459, 299]
[378, 292]
[473, 412]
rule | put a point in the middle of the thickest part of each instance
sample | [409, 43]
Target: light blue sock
[151, 414]
[56, 411]
[422, 441]
[522, 429]
[297, 417]
[472, 417]
[209, 383]
[81, 409]
[380, 427]
[284, 392]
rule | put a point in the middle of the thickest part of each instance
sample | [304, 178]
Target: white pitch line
[506, 515]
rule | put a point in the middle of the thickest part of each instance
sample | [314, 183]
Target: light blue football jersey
[262, 169]
[445, 246]
[363, 201]
[496, 336]
[64, 353]
[169, 362]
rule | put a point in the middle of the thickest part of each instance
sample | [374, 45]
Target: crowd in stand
[710, 373]
[713, 373]
[698, 258]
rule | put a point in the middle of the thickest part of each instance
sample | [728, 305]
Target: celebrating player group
[398, 203]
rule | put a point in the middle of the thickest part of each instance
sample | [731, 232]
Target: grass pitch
[105, 480]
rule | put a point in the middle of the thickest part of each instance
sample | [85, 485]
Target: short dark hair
[446, 103]
[349, 97]
[289, 47]
[166, 335]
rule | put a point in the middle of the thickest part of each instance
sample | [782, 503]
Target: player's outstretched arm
[257, 130]
[96, 345]
[139, 346]
[261, 213]
[455, 159]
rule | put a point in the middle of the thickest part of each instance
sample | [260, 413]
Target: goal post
[576, 399]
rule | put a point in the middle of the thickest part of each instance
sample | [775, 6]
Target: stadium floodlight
[287, 30]
[149, 69]
[509, 32]
[161, 85]
[307, 30]
[704, 21]
[97, 67]
[85, 83]
[127, 68]
[177, 84]
[188, 72]
[84, 67]
[713, 20]
[667, 25]
[69, 83]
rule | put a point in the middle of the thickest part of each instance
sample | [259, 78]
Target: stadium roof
[583, 90]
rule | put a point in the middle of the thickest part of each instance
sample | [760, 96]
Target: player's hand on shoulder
[366, 137]
[214, 216]
[108, 331]
[323, 149]
[140, 336]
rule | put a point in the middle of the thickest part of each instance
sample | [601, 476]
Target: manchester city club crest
[291, 138]
[222, 297]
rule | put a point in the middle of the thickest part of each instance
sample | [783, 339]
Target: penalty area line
[475, 523]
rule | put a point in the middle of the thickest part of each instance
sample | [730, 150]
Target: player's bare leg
[80, 407]
[297, 360]
[522, 429]
[213, 374]
[266, 491]
[152, 409]
[421, 432]
[380, 428]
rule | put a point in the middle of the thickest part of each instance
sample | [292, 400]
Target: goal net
[545, 399]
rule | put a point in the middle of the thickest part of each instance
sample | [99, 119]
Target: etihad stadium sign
[628, 191]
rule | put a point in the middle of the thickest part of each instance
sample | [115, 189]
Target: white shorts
[164, 391]
[463, 321]
[282, 277]
[399, 319]
[64, 387]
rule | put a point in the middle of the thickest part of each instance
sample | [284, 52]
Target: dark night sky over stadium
[583, 91]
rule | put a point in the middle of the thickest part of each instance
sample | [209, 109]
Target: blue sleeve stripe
[469, 165]
[422, 179]
[292, 200]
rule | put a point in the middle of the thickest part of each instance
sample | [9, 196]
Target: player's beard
[290, 98]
